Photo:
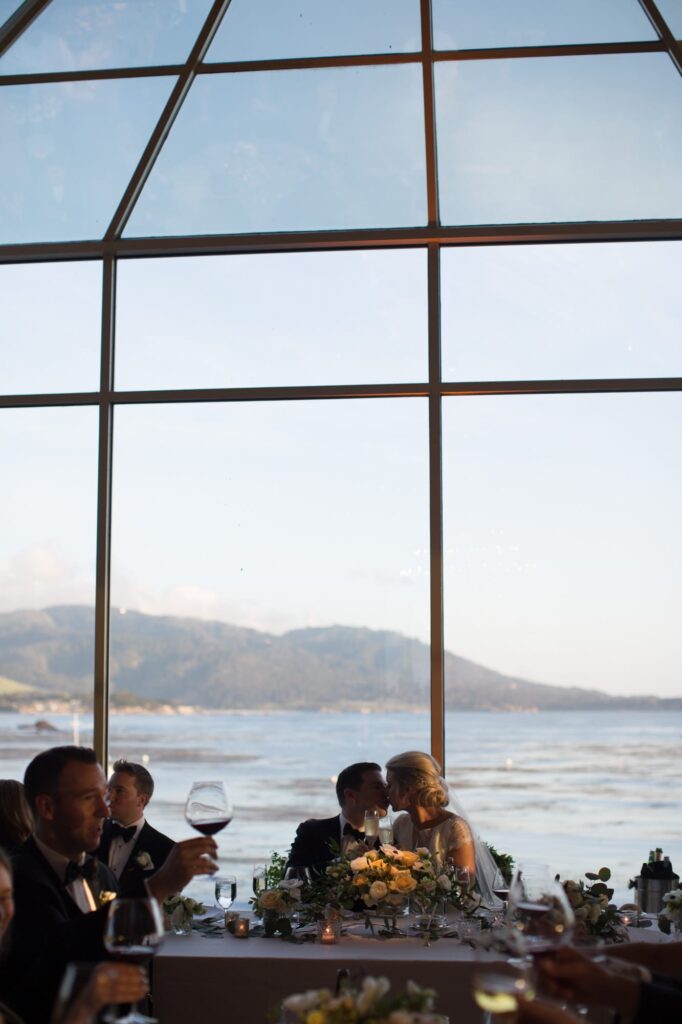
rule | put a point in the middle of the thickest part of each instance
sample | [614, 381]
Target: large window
[340, 375]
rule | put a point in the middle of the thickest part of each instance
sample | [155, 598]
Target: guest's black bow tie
[348, 830]
[126, 834]
[84, 870]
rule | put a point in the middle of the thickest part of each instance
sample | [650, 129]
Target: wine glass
[540, 916]
[501, 996]
[208, 808]
[500, 888]
[133, 933]
[225, 891]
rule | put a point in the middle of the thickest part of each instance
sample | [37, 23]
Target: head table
[224, 978]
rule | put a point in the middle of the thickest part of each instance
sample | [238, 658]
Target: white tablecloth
[241, 981]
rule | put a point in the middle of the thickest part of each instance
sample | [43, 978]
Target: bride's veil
[486, 868]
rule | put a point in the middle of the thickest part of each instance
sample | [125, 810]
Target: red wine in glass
[208, 808]
[133, 933]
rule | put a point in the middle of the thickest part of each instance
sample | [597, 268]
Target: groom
[360, 787]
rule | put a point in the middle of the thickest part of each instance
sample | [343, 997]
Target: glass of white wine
[500, 996]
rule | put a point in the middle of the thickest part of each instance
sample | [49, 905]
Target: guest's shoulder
[159, 838]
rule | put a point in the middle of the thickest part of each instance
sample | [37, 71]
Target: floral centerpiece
[371, 1003]
[383, 879]
[275, 906]
[670, 918]
[179, 910]
[596, 918]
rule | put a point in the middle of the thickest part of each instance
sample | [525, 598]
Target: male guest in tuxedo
[359, 788]
[130, 846]
[60, 892]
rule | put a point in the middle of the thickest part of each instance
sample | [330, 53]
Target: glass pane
[262, 29]
[71, 35]
[550, 311]
[70, 150]
[48, 465]
[7, 9]
[462, 25]
[291, 150]
[553, 139]
[297, 582]
[329, 318]
[50, 327]
[563, 584]
[672, 12]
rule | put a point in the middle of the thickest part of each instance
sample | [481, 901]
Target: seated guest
[109, 983]
[57, 887]
[129, 845]
[359, 788]
[16, 820]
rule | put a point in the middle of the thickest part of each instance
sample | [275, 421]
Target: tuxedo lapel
[69, 905]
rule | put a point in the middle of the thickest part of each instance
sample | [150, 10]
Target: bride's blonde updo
[420, 774]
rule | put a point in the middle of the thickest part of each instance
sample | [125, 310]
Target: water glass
[385, 831]
[226, 891]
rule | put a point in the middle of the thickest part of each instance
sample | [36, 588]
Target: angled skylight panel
[291, 150]
[7, 9]
[69, 150]
[467, 25]
[269, 29]
[559, 139]
[83, 35]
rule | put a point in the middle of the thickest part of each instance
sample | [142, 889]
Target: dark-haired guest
[360, 787]
[16, 820]
[130, 846]
[109, 983]
[59, 890]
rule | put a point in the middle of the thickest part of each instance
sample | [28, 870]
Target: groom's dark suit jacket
[311, 848]
[150, 841]
[49, 930]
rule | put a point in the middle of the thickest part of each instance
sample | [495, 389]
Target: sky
[562, 560]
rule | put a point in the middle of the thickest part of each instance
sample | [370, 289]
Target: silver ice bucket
[650, 892]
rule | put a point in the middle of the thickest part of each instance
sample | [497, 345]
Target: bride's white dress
[439, 840]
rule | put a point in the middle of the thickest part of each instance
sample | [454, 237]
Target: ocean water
[576, 790]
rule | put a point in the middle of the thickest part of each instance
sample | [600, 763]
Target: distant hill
[215, 665]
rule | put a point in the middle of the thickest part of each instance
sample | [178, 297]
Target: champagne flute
[225, 891]
[133, 933]
[372, 824]
[385, 831]
[260, 879]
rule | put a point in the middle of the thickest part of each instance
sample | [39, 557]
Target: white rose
[372, 991]
[445, 883]
[378, 890]
[359, 864]
[306, 1000]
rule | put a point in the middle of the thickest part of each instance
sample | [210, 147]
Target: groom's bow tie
[126, 834]
[355, 832]
[74, 871]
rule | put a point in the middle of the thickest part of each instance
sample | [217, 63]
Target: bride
[416, 786]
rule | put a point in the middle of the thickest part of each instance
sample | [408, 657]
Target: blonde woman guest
[16, 820]
[416, 787]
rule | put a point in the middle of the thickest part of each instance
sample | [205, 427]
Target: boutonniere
[106, 897]
[144, 861]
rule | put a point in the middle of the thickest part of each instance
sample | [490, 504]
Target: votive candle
[328, 932]
[241, 928]
[231, 918]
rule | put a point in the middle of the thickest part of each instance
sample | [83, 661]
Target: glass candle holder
[231, 918]
[329, 931]
[241, 928]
